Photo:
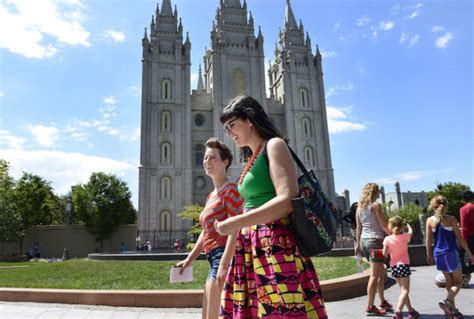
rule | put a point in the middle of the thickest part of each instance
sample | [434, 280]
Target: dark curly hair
[246, 107]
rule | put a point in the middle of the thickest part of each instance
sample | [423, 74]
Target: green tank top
[257, 187]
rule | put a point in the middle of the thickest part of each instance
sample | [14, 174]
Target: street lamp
[68, 222]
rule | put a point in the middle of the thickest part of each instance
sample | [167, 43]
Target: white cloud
[410, 40]
[115, 36]
[338, 122]
[133, 136]
[442, 42]
[1, 94]
[44, 135]
[383, 26]
[413, 15]
[363, 20]
[336, 89]
[336, 26]
[413, 40]
[61, 168]
[386, 25]
[194, 80]
[110, 100]
[361, 69]
[329, 54]
[410, 176]
[37, 28]
[16, 142]
[135, 90]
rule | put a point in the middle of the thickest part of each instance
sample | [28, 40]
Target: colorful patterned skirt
[269, 279]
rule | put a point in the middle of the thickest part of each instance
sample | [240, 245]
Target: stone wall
[54, 238]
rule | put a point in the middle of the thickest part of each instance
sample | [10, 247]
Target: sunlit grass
[121, 275]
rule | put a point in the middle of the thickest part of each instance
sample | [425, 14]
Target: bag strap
[295, 157]
[299, 163]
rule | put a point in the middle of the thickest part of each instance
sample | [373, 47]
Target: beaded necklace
[250, 163]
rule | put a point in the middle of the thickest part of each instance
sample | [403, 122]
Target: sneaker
[447, 312]
[457, 314]
[374, 311]
[449, 304]
[397, 315]
[413, 314]
[386, 305]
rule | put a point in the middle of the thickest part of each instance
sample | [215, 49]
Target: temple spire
[166, 8]
[233, 3]
[290, 21]
[200, 85]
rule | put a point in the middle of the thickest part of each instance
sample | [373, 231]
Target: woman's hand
[357, 250]
[226, 227]
[429, 260]
[183, 264]
[221, 276]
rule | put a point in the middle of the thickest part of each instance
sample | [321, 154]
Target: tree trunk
[21, 245]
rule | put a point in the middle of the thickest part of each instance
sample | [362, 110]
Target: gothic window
[165, 191]
[308, 155]
[166, 89]
[306, 127]
[199, 155]
[165, 221]
[166, 122]
[304, 97]
[199, 120]
[239, 82]
[166, 154]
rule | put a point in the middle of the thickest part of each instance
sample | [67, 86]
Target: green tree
[11, 225]
[411, 215]
[452, 192]
[103, 204]
[36, 201]
[192, 212]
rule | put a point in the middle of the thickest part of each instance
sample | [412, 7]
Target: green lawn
[90, 274]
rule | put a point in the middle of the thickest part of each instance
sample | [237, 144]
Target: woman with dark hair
[268, 277]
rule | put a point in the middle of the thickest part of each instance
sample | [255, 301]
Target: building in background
[175, 124]
[398, 198]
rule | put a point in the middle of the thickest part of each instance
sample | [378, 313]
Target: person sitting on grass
[223, 202]
[397, 246]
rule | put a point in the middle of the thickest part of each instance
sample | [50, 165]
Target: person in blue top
[445, 231]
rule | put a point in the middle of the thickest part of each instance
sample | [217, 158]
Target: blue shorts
[214, 257]
[449, 261]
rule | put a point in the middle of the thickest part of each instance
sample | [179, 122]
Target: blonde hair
[395, 223]
[368, 194]
[439, 205]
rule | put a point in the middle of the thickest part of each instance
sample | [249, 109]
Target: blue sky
[398, 81]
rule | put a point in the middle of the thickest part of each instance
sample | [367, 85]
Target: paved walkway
[424, 297]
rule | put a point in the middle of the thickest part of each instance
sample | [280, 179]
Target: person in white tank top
[370, 231]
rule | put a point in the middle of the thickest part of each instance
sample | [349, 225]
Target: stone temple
[176, 121]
